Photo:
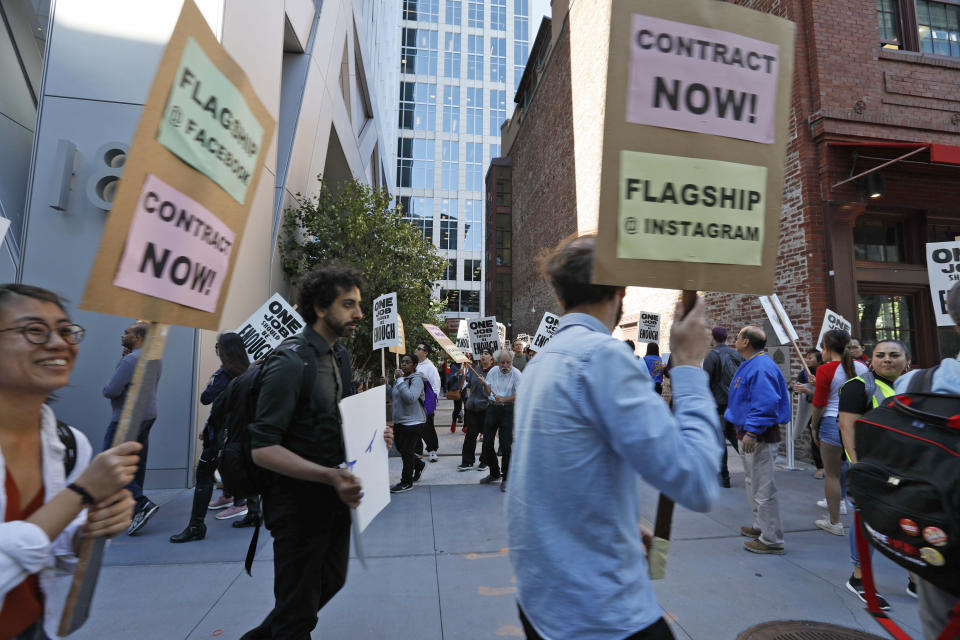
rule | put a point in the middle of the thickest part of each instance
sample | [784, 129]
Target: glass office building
[460, 63]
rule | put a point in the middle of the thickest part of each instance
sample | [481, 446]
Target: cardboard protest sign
[648, 327]
[446, 343]
[943, 271]
[484, 334]
[367, 457]
[832, 320]
[463, 337]
[385, 333]
[401, 347]
[695, 121]
[778, 319]
[271, 324]
[169, 243]
[208, 124]
[548, 326]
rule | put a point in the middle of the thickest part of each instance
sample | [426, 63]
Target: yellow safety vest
[877, 389]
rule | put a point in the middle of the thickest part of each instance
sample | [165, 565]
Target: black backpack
[730, 361]
[906, 483]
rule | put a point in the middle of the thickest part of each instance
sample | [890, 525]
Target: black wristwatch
[85, 496]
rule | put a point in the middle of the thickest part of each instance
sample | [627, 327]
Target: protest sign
[367, 458]
[401, 347]
[208, 124]
[943, 271]
[385, 333]
[446, 343]
[169, 243]
[648, 327]
[271, 324]
[548, 326]
[778, 328]
[463, 337]
[4, 226]
[175, 249]
[832, 320]
[694, 128]
[502, 334]
[484, 334]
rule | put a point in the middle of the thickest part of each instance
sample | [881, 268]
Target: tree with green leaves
[354, 224]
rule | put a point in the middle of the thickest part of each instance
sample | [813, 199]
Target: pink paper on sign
[703, 80]
[176, 249]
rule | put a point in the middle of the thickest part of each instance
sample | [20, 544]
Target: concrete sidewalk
[438, 567]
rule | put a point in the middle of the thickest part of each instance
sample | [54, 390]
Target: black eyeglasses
[39, 332]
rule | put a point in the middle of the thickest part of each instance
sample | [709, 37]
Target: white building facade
[75, 75]
[460, 63]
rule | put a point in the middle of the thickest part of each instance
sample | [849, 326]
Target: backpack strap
[65, 433]
[922, 381]
[252, 549]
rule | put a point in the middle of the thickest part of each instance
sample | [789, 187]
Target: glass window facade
[889, 22]
[498, 15]
[498, 59]
[452, 12]
[474, 57]
[450, 271]
[878, 240]
[422, 10]
[451, 109]
[503, 255]
[521, 39]
[939, 27]
[472, 225]
[448, 223]
[418, 106]
[472, 270]
[419, 212]
[498, 110]
[415, 163]
[474, 167]
[450, 166]
[419, 53]
[885, 317]
[475, 13]
[474, 111]
[451, 55]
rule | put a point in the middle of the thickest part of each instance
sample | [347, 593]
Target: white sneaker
[433, 456]
[843, 505]
[829, 527]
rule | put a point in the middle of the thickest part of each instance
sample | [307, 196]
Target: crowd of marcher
[576, 547]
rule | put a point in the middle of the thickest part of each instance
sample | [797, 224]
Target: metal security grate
[803, 630]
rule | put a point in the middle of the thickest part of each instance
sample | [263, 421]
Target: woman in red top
[838, 367]
[41, 506]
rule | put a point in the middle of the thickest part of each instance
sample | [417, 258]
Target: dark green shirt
[312, 430]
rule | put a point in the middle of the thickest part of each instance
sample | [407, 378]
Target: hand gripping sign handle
[90, 553]
[661, 528]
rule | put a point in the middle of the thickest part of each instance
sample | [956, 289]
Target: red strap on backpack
[950, 632]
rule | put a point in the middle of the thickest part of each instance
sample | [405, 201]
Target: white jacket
[24, 547]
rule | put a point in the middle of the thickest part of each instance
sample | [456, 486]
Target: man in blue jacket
[758, 403]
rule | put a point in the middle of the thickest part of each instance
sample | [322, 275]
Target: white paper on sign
[784, 317]
[385, 331]
[271, 324]
[364, 418]
[648, 327]
[484, 334]
[767, 305]
[943, 271]
[832, 320]
[463, 337]
[4, 225]
[548, 327]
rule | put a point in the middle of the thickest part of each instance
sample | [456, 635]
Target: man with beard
[307, 498]
[116, 391]
[588, 423]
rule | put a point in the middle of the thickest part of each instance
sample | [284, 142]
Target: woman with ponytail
[838, 367]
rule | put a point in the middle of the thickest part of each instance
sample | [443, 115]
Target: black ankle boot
[191, 533]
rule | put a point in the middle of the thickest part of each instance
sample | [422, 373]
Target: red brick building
[875, 80]
[499, 243]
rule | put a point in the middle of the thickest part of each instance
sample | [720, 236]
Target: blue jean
[830, 431]
[136, 485]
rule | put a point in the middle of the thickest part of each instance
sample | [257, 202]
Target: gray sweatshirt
[408, 398]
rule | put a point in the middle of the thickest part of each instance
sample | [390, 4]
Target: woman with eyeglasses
[53, 494]
[234, 361]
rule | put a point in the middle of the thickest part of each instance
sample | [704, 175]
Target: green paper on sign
[208, 124]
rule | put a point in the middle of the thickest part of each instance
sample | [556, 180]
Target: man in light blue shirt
[588, 423]
[501, 383]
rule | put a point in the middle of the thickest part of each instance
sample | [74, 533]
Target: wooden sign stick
[90, 553]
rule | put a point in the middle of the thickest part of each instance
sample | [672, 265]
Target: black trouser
[659, 630]
[473, 421]
[730, 433]
[311, 548]
[406, 437]
[457, 408]
[143, 437]
[203, 491]
[499, 418]
[428, 434]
